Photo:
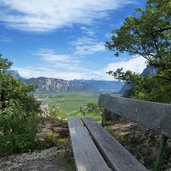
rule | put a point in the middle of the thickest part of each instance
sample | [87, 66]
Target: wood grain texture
[117, 156]
[154, 116]
[87, 157]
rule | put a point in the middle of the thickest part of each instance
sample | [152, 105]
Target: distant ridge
[15, 74]
[54, 85]
[103, 86]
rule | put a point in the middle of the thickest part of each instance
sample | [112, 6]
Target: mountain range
[54, 85]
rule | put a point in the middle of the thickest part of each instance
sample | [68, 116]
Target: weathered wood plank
[87, 157]
[154, 116]
[118, 157]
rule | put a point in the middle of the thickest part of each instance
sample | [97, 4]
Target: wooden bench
[96, 150]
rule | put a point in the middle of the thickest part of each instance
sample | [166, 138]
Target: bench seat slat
[118, 157]
[87, 157]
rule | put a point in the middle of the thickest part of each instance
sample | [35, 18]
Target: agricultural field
[70, 103]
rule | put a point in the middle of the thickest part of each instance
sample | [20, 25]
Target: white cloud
[135, 64]
[58, 60]
[87, 46]
[45, 72]
[43, 15]
[50, 73]
[50, 55]
[89, 49]
[87, 31]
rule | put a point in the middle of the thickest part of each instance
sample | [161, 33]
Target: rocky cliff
[52, 85]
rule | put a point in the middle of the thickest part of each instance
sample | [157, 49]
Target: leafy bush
[92, 108]
[55, 113]
[18, 113]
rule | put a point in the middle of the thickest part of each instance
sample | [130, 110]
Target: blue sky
[64, 39]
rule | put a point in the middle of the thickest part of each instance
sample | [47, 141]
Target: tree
[146, 33]
[18, 113]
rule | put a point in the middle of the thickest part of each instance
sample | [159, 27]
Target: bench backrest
[154, 116]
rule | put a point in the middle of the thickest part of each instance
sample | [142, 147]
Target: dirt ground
[141, 142]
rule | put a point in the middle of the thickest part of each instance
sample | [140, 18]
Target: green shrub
[55, 113]
[92, 108]
[18, 113]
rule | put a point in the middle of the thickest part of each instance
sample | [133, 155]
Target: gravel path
[45, 160]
